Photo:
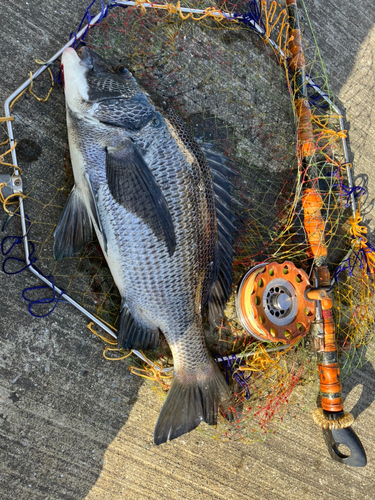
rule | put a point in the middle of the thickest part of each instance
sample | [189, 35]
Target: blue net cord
[253, 16]
[316, 99]
[231, 363]
[346, 191]
[57, 78]
[18, 240]
[52, 300]
[357, 257]
[88, 17]
[360, 260]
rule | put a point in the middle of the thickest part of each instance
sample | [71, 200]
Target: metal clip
[347, 437]
[10, 184]
[16, 183]
[317, 333]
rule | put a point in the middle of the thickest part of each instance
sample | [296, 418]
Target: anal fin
[74, 229]
[132, 335]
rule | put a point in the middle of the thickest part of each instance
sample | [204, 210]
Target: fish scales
[154, 281]
[148, 190]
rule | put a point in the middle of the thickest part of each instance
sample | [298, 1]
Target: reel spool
[272, 305]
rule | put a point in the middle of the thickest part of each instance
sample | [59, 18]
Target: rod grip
[329, 370]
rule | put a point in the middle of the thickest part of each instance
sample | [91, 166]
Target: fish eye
[121, 69]
[156, 122]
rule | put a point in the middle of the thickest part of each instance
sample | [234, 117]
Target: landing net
[230, 82]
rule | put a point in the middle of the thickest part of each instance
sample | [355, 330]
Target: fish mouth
[75, 77]
[71, 52]
[87, 58]
[70, 58]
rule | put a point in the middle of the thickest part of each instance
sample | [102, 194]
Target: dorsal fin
[227, 232]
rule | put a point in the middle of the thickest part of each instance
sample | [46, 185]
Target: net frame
[289, 377]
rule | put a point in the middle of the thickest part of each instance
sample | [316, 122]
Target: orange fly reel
[272, 304]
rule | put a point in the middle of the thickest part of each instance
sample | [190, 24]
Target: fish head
[95, 87]
[100, 67]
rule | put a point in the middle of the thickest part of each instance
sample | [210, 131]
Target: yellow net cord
[11, 118]
[41, 99]
[171, 8]
[5, 119]
[359, 241]
[111, 342]
[7, 201]
[261, 360]
[323, 133]
[30, 88]
[151, 370]
[2, 157]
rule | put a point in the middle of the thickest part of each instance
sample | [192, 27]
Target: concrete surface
[73, 426]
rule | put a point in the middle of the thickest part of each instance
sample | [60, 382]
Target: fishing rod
[331, 417]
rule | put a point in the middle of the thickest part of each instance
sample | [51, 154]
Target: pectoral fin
[95, 212]
[74, 229]
[133, 186]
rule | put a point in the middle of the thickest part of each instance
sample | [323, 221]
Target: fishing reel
[272, 303]
[276, 303]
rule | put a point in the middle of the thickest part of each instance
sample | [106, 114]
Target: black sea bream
[158, 202]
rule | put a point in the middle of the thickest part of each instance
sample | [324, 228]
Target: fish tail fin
[193, 398]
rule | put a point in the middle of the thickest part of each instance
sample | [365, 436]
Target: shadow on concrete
[362, 375]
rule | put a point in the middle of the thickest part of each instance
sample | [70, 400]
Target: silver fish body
[146, 187]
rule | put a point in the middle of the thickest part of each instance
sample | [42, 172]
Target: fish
[159, 202]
